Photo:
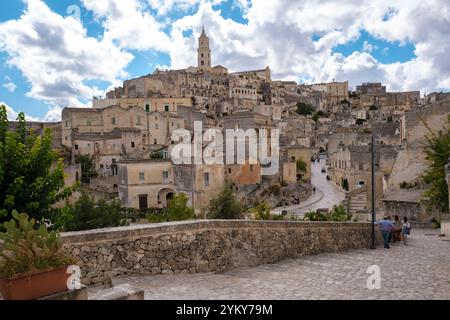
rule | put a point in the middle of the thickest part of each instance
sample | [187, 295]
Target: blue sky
[249, 36]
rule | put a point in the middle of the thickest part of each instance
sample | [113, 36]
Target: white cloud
[9, 85]
[12, 114]
[57, 57]
[283, 39]
[368, 47]
[127, 22]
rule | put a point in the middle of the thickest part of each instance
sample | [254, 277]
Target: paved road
[418, 271]
[327, 194]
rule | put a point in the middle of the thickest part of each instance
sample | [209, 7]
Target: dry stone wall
[205, 246]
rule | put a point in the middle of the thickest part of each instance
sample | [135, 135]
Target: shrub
[262, 211]
[305, 109]
[225, 205]
[314, 216]
[86, 214]
[28, 249]
[339, 214]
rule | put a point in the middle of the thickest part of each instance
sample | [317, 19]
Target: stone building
[146, 183]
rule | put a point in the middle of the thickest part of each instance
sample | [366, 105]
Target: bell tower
[204, 53]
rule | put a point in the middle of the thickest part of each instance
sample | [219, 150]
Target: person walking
[406, 230]
[386, 227]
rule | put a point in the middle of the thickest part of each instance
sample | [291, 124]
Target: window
[147, 108]
[113, 120]
[101, 166]
[141, 176]
[206, 178]
[178, 126]
[203, 55]
[251, 168]
[155, 141]
[88, 123]
[166, 108]
[229, 170]
[138, 118]
[132, 144]
[76, 147]
[165, 176]
[67, 124]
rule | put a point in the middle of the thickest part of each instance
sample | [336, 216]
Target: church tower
[204, 53]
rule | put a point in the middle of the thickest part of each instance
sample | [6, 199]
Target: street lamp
[373, 246]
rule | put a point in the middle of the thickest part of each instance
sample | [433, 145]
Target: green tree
[225, 205]
[31, 175]
[302, 167]
[305, 109]
[262, 211]
[178, 210]
[87, 214]
[87, 167]
[437, 150]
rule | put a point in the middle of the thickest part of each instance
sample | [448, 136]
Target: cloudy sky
[57, 53]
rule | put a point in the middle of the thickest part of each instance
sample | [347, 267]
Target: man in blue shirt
[386, 228]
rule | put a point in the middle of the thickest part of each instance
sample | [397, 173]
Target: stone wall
[205, 246]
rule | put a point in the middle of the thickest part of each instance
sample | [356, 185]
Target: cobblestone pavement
[418, 271]
[327, 194]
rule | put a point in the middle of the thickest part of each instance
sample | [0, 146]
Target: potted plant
[32, 261]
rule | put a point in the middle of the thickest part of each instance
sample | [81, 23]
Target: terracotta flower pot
[36, 285]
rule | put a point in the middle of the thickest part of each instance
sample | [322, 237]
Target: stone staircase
[356, 201]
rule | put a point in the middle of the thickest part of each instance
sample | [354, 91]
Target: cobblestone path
[418, 271]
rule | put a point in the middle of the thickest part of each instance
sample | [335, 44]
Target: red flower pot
[35, 285]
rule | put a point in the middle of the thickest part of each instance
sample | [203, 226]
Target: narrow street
[327, 195]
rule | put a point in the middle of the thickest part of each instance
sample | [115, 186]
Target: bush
[28, 250]
[314, 216]
[275, 189]
[305, 109]
[262, 211]
[86, 214]
[225, 205]
[177, 210]
[338, 214]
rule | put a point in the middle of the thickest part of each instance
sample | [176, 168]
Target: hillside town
[211, 183]
[129, 133]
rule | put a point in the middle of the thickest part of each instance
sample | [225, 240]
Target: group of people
[395, 230]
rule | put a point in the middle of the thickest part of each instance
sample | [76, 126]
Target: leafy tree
[262, 211]
[31, 175]
[86, 214]
[305, 109]
[437, 150]
[87, 167]
[178, 209]
[225, 205]
[302, 166]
